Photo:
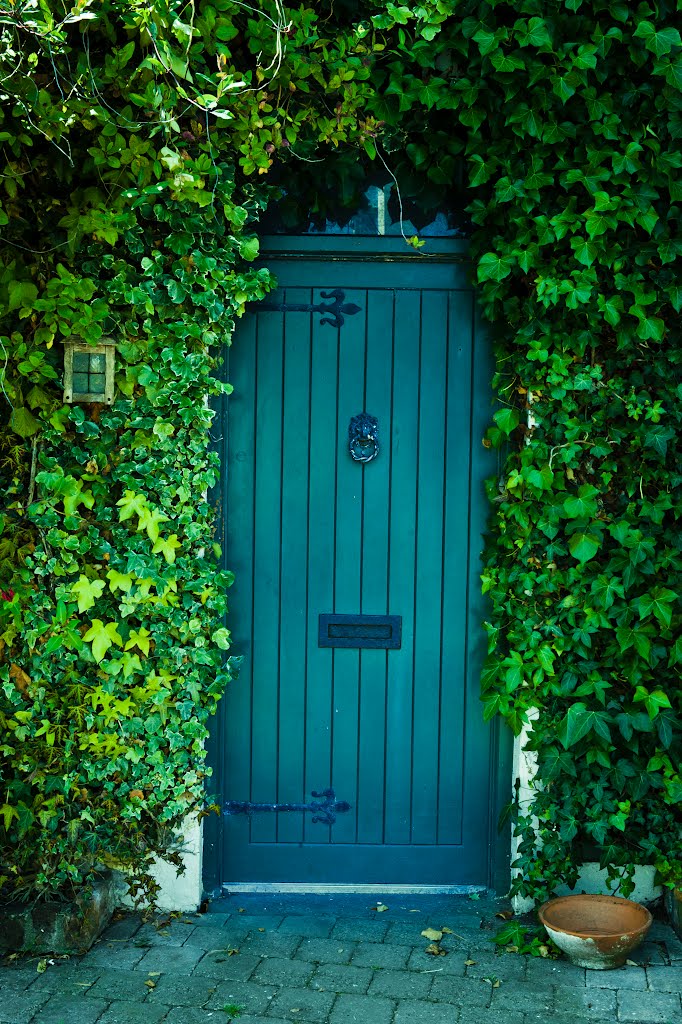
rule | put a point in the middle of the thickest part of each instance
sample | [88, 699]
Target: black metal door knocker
[363, 437]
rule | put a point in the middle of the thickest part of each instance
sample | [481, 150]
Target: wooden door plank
[239, 539]
[347, 574]
[481, 740]
[428, 567]
[296, 432]
[267, 571]
[374, 597]
[455, 568]
[402, 551]
[325, 446]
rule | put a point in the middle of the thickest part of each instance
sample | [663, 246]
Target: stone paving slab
[417, 1012]
[252, 998]
[341, 978]
[660, 1008]
[122, 1012]
[380, 955]
[326, 951]
[256, 959]
[59, 1009]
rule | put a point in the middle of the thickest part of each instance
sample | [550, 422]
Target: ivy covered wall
[140, 142]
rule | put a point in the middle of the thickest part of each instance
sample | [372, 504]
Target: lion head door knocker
[363, 437]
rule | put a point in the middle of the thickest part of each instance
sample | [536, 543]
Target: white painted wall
[592, 878]
[178, 892]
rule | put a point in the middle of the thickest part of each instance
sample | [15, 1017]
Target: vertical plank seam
[332, 717]
[388, 559]
[279, 581]
[361, 680]
[253, 559]
[439, 827]
[416, 559]
[304, 759]
[467, 615]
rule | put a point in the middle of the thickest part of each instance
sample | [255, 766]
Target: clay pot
[598, 932]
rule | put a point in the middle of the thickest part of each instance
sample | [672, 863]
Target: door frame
[484, 462]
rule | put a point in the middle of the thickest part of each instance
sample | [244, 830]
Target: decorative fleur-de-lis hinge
[323, 810]
[333, 313]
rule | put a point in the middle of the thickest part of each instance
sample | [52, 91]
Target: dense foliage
[139, 141]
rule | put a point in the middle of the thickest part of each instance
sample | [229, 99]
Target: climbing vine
[140, 143]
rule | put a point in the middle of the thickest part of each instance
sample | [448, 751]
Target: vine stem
[32, 477]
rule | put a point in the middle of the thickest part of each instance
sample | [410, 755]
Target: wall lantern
[89, 370]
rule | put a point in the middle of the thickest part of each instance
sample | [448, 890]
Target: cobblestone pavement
[334, 960]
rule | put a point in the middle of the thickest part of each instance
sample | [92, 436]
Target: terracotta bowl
[598, 932]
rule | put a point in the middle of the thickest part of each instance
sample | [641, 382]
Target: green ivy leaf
[534, 32]
[653, 701]
[657, 437]
[659, 42]
[658, 603]
[102, 635]
[507, 420]
[23, 422]
[606, 589]
[132, 504]
[120, 581]
[167, 547]
[675, 657]
[579, 722]
[87, 592]
[584, 546]
[612, 308]
[585, 252]
[139, 638]
[492, 267]
[249, 248]
[583, 504]
[505, 63]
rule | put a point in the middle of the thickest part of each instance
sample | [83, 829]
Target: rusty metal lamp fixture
[89, 370]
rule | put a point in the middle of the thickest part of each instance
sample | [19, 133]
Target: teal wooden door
[396, 733]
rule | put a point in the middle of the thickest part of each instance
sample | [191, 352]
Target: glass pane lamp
[89, 371]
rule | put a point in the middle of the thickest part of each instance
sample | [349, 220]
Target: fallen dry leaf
[241, 910]
[505, 915]
[261, 929]
[469, 963]
[232, 952]
[380, 908]
[153, 974]
[150, 984]
[414, 911]
[543, 951]
[42, 966]
[432, 934]
[21, 678]
[447, 931]
[435, 950]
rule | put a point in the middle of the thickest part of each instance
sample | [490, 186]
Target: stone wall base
[59, 927]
